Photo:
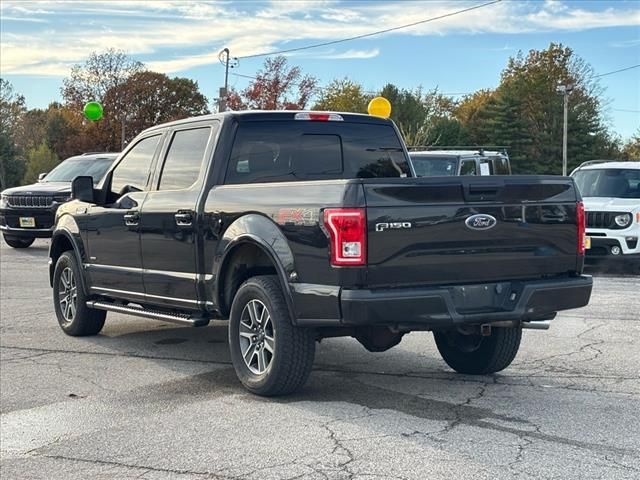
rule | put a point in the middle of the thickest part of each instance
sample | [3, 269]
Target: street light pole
[565, 90]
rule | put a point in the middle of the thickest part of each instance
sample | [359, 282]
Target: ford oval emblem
[481, 221]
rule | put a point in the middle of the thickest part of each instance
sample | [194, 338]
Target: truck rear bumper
[465, 304]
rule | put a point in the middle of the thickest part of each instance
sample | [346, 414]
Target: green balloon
[93, 111]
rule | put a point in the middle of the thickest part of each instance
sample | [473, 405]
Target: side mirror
[41, 176]
[82, 189]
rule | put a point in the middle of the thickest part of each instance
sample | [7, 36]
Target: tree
[424, 118]
[12, 107]
[525, 112]
[31, 130]
[276, 87]
[91, 80]
[343, 95]
[631, 149]
[469, 113]
[150, 98]
[39, 160]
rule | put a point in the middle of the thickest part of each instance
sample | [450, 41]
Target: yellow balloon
[380, 107]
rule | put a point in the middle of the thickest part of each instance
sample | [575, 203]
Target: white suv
[611, 194]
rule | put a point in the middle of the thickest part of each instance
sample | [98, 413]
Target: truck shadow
[331, 384]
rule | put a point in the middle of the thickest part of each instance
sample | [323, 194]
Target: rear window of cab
[293, 150]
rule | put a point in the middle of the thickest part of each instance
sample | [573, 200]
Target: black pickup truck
[297, 226]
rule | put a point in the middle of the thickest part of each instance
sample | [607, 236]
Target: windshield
[70, 169]
[434, 166]
[609, 182]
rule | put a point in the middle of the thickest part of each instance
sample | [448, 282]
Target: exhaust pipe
[537, 325]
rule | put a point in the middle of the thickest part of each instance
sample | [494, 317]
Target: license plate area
[27, 222]
[488, 297]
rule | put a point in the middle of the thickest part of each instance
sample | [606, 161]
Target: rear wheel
[270, 355]
[478, 355]
[70, 301]
[18, 242]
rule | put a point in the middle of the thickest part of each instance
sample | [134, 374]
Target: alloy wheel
[257, 337]
[68, 294]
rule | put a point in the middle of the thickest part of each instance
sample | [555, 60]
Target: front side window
[430, 166]
[133, 170]
[184, 158]
[468, 167]
[296, 150]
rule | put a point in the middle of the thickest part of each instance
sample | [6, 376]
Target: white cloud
[635, 42]
[349, 54]
[170, 35]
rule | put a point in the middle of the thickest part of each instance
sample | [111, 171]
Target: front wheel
[18, 242]
[70, 301]
[269, 354]
[478, 355]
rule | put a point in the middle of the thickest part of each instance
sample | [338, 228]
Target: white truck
[611, 195]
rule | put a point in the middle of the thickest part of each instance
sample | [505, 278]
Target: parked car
[434, 163]
[298, 226]
[611, 192]
[28, 212]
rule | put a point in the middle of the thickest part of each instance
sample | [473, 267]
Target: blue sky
[459, 54]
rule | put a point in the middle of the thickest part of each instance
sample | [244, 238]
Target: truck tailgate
[420, 231]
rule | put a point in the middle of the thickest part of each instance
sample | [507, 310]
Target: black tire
[293, 348]
[18, 242]
[83, 321]
[478, 355]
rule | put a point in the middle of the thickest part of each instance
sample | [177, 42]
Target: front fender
[262, 232]
[67, 236]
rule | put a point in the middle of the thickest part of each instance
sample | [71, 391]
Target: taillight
[582, 227]
[347, 229]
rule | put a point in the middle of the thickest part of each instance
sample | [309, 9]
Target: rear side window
[184, 158]
[500, 166]
[297, 150]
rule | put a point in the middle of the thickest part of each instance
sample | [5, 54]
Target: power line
[625, 110]
[370, 92]
[371, 34]
[617, 71]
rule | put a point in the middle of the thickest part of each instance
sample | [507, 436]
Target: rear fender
[263, 233]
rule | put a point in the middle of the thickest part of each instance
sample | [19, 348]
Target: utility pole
[565, 90]
[228, 62]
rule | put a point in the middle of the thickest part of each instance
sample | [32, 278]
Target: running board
[152, 314]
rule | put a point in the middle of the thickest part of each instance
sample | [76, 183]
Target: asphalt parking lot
[150, 400]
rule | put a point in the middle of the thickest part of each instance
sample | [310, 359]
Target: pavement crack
[147, 468]
[340, 449]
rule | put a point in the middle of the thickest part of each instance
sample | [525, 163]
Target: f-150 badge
[481, 221]
[381, 227]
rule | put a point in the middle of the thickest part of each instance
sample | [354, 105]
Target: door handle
[184, 219]
[131, 219]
